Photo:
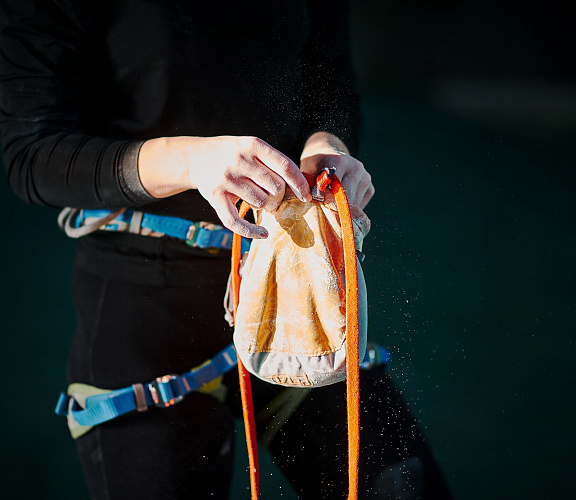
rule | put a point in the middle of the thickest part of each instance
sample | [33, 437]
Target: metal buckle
[192, 234]
[161, 391]
[376, 355]
[139, 397]
[317, 195]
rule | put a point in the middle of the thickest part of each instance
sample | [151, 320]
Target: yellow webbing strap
[81, 392]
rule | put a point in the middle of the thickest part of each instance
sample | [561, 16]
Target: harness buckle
[192, 234]
[162, 393]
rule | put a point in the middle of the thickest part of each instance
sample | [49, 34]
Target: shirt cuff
[129, 177]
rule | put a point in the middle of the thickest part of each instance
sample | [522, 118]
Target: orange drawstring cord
[244, 375]
[352, 344]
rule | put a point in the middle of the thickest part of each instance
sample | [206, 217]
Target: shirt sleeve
[331, 101]
[45, 49]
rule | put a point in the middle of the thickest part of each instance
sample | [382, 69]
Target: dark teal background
[470, 138]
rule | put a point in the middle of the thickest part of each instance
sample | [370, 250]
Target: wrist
[323, 143]
[163, 166]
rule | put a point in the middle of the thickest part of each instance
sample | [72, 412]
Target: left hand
[326, 150]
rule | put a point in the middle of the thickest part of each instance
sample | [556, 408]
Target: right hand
[223, 169]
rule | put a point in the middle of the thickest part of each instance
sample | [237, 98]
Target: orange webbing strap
[352, 337]
[352, 344]
[245, 386]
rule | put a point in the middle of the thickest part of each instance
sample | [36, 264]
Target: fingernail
[304, 198]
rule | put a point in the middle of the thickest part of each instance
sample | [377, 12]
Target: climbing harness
[78, 222]
[87, 406]
[260, 329]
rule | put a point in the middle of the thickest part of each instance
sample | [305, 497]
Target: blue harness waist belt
[196, 234]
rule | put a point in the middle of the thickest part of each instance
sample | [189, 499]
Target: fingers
[245, 168]
[261, 187]
[224, 202]
[251, 191]
[228, 214]
[365, 193]
[359, 189]
[284, 167]
[356, 181]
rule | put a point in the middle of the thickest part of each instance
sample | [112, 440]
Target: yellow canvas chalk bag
[290, 326]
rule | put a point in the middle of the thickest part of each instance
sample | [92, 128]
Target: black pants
[130, 331]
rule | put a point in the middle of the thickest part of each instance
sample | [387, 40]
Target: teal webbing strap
[204, 235]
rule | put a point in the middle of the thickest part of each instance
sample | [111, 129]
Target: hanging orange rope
[352, 337]
[244, 375]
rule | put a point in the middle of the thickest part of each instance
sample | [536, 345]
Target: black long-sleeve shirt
[83, 83]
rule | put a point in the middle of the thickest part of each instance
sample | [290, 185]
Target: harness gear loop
[67, 221]
[352, 340]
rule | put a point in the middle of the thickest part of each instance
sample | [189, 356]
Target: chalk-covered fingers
[354, 177]
[281, 165]
[245, 168]
[322, 150]
[228, 214]
[253, 182]
[356, 180]
[224, 170]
